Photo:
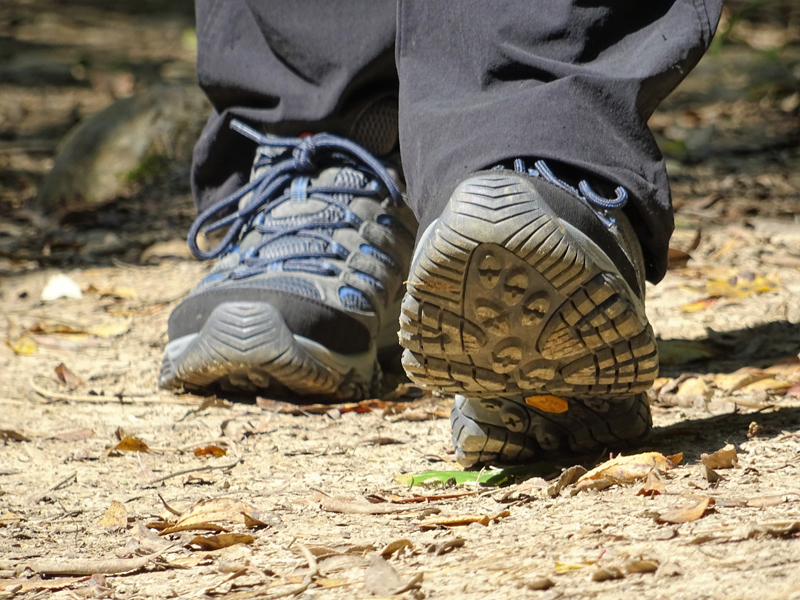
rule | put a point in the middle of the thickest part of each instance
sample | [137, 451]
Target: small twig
[61, 566]
[196, 470]
[35, 498]
[116, 399]
[168, 507]
[313, 573]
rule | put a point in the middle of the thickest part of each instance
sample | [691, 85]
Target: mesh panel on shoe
[376, 128]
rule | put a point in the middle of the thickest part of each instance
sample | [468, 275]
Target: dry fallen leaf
[688, 514]
[252, 523]
[395, 546]
[219, 510]
[131, 444]
[767, 501]
[10, 517]
[113, 329]
[210, 451]
[121, 292]
[223, 540]
[460, 521]
[67, 376]
[381, 579]
[13, 435]
[741, 285]
[567, 478]
[768, 384]
[27, 585]
[653, 486]
[641, 566]
[22, 346]
[677, 259]
[730, 382]
[354, 506]
[192, 527]
[626, 469]
[675, 459]
[721, 459]
[75, 435]
[116, 517]
[607, 574]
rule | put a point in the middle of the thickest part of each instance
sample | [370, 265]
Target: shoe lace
[583, 192]
[283, 178]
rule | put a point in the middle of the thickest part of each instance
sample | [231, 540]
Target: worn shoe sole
[529, 323]
[247, 346]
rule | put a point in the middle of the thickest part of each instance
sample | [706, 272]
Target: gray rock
[133, 141]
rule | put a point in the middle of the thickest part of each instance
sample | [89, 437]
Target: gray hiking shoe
[525, 300]
[309, 276]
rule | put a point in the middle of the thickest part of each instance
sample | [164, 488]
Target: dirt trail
[727, 314]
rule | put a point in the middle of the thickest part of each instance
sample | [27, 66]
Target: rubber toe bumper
[247, 345]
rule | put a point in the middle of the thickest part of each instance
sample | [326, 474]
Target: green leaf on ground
[487, 477]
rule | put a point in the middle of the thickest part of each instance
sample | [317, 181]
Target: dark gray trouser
[478, 82]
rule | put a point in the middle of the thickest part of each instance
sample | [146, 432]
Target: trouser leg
[574, 82]
[286, 67]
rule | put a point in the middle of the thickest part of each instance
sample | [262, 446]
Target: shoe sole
[530, 323]
[247, 346]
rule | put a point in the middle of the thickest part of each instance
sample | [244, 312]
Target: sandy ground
[328, 482]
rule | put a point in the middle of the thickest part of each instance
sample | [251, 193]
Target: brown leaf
[116, 517]
[111, 329]
[688, 514]
[607, 574]
[675, 459]
[252, 523]
[730, 382]
[721, 459]
[768, 384]
[131, 444]
[121, 292]
[709, 474]
[381, 579]
[26, 585]
[626, 469]
[67, 376]
[653, 486]
[460, 520]
[766, 501]
[567, 478]
[446, 546]
[381, 441]
[540, 583]
[641, 566]
[353, 506]
[76, 435]
[62, 566]
[13, 435]
[218, 510]
[192, 527]
[677, 259]
[223, 540]
[395, 546]
[10, 517]
[210, 451]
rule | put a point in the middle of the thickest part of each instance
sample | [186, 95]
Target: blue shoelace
[287, 178]
[583, 192]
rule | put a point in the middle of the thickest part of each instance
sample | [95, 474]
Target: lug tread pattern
[504, 301]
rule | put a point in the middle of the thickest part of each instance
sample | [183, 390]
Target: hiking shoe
[308, 279]
[525, 300]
